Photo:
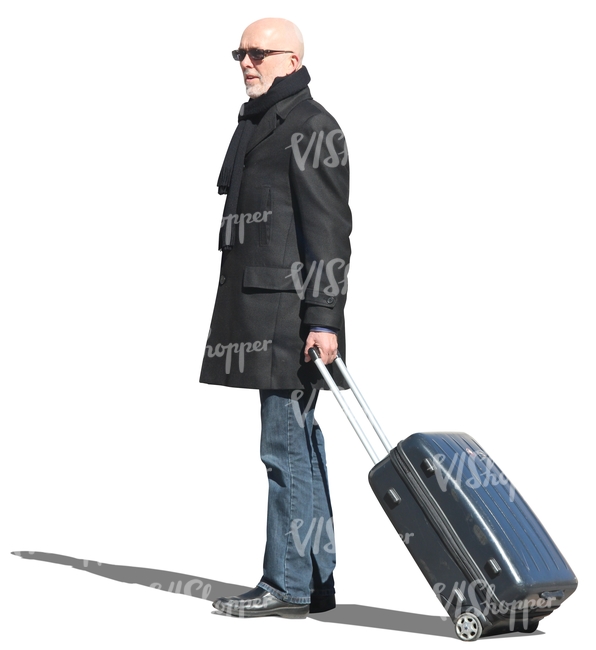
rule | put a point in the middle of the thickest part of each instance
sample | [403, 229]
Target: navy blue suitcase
[483, 551]
[488, 559]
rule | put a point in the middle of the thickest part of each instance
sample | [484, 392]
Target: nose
[246, 64]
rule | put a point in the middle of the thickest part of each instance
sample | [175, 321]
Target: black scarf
[250, 115]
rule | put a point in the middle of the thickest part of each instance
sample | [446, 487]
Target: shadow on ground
[208, 589]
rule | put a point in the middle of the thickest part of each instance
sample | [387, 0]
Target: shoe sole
[283, 612]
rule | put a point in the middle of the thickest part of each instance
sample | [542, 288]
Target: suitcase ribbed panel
[477, 497]
[504, 509]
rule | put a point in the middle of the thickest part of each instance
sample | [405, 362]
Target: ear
[293, 63]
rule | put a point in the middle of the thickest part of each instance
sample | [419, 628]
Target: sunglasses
[256, 54]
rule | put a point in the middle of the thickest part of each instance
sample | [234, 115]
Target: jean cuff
[282, 596]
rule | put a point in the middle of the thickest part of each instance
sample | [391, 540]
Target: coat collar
[269, 121]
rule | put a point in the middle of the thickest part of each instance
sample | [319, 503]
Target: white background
[471, 306]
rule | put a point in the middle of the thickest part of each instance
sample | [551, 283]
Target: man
[285, 253]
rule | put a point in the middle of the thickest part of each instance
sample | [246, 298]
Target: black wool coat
[287, 270]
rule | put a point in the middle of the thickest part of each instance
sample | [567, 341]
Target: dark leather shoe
[320, 604]
[259, 602]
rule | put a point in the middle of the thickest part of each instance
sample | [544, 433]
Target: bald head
[270, 34]
[275, 34]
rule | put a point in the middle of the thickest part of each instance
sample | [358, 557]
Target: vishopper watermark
[221, 350]
[191, 587]
[518, 610]
[317, 271]
[316, 140]
[320, 524]
[295, 397]
[241, 220]
[481, 467]
[315, 543]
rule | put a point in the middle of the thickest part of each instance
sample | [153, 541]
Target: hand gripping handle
[316, 357]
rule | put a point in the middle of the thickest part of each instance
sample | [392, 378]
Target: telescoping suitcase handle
[316, 357]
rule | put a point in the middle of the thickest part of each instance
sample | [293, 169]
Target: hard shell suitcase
[486, 556]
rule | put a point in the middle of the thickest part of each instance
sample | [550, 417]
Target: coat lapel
[274, 116]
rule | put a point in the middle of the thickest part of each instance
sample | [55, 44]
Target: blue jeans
[300, 549]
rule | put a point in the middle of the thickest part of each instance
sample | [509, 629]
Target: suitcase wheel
[468, 627]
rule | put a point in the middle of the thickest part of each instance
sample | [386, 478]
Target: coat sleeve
[319, 176]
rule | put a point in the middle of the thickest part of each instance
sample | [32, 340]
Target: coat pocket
[268, 278]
